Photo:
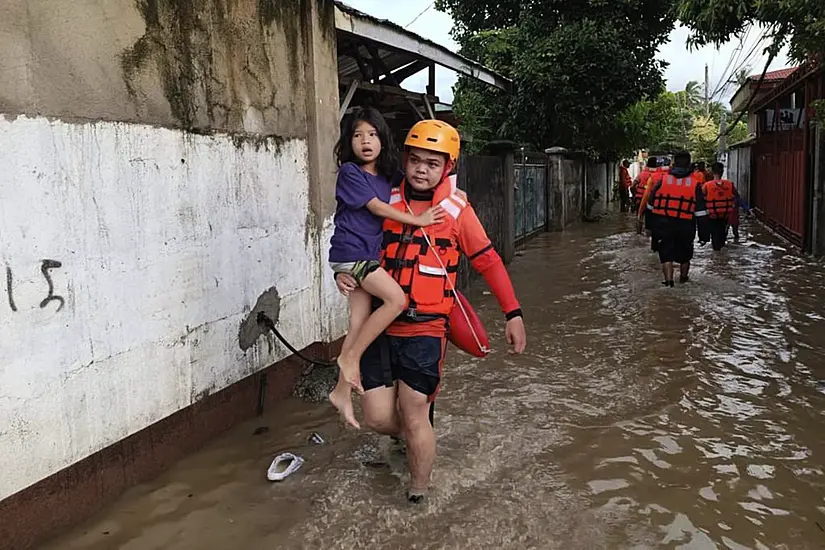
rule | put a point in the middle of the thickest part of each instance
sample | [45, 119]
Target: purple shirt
[358, 232]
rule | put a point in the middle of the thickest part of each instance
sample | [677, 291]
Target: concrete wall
[167, 173]
[600, 178]
[738, 170]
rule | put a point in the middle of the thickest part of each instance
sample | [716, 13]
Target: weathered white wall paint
[336, 312]
[166, 240]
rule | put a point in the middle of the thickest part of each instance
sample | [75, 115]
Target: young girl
[367, 163]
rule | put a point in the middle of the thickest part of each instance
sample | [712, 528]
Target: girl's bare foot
[341, 399]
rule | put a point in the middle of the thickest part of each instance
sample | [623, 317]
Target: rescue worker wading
[646, 217]
[720, 196]
[641, 181]
[401, 370]
[625, 182]
[678, 203]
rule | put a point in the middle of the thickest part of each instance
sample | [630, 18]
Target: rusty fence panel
[779, 183]
[482, 178]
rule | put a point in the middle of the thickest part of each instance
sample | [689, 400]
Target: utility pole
[707, 91]
[723, 138]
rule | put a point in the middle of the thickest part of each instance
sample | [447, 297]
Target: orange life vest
[624, 173]
[411, 261]
[644, 177]
[676, 198]
[699, 177]
[720, 198]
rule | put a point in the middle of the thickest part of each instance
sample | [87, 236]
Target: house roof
[397, 47]
[772, 79]
[774, 76]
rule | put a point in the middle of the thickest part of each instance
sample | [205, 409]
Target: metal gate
[779, 183]
[530, 195]
[482, 177]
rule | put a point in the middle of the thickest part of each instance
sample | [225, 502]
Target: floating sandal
[284, 465]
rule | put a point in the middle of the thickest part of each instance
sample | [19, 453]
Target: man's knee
[383, 425]
[379, 411]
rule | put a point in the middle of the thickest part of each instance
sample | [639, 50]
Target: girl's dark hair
[387, 163]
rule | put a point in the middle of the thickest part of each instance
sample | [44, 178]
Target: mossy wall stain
[218, 58]
[288, 15]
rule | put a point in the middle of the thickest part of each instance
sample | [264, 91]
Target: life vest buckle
[412, 313]
[406, 238]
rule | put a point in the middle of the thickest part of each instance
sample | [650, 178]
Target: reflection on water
[641, 417]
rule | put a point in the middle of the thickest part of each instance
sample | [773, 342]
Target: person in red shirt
[625, 182]
[401, 371]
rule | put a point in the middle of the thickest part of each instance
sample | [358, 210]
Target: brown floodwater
[640, 417]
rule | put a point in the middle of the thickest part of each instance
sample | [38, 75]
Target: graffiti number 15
[45, 267]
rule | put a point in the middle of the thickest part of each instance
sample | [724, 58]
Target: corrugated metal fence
[779, 186]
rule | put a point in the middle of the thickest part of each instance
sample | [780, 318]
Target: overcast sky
[684, 65]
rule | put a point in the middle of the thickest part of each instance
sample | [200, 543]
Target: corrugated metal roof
[398, 47]
[774, 76]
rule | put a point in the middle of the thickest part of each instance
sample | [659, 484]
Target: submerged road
[640, 417]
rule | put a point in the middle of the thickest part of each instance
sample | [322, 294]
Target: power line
[732, 60]
[725, 80]
[749, 58]
[771, 56]
[428, 8]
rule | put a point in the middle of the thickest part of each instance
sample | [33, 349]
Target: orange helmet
[434, 135]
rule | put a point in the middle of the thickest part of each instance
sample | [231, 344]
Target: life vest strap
[397, 263]
[407, 238]
[412, 316]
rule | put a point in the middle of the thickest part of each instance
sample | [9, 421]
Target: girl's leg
[382, 286]
[359, 310]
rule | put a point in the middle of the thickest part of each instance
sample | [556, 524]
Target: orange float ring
[461, 332]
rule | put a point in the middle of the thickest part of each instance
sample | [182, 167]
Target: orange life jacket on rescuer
[644, 177]
[676, 198]
[409, 259]
[720, 198]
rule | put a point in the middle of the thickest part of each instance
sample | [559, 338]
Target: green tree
[693, 95]
[577, 68]
[742, 75]
[704, 141]
[738, 133]
[799, 24]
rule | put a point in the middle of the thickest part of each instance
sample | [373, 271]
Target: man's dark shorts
[414, 360]
[676, 237]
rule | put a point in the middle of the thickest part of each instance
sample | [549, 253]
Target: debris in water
[316, 438]
[261, 430]
[415, 496]
[316, 384]
[283, 466]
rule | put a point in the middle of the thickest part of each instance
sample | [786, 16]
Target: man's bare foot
[351, 372]
[341, 400]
